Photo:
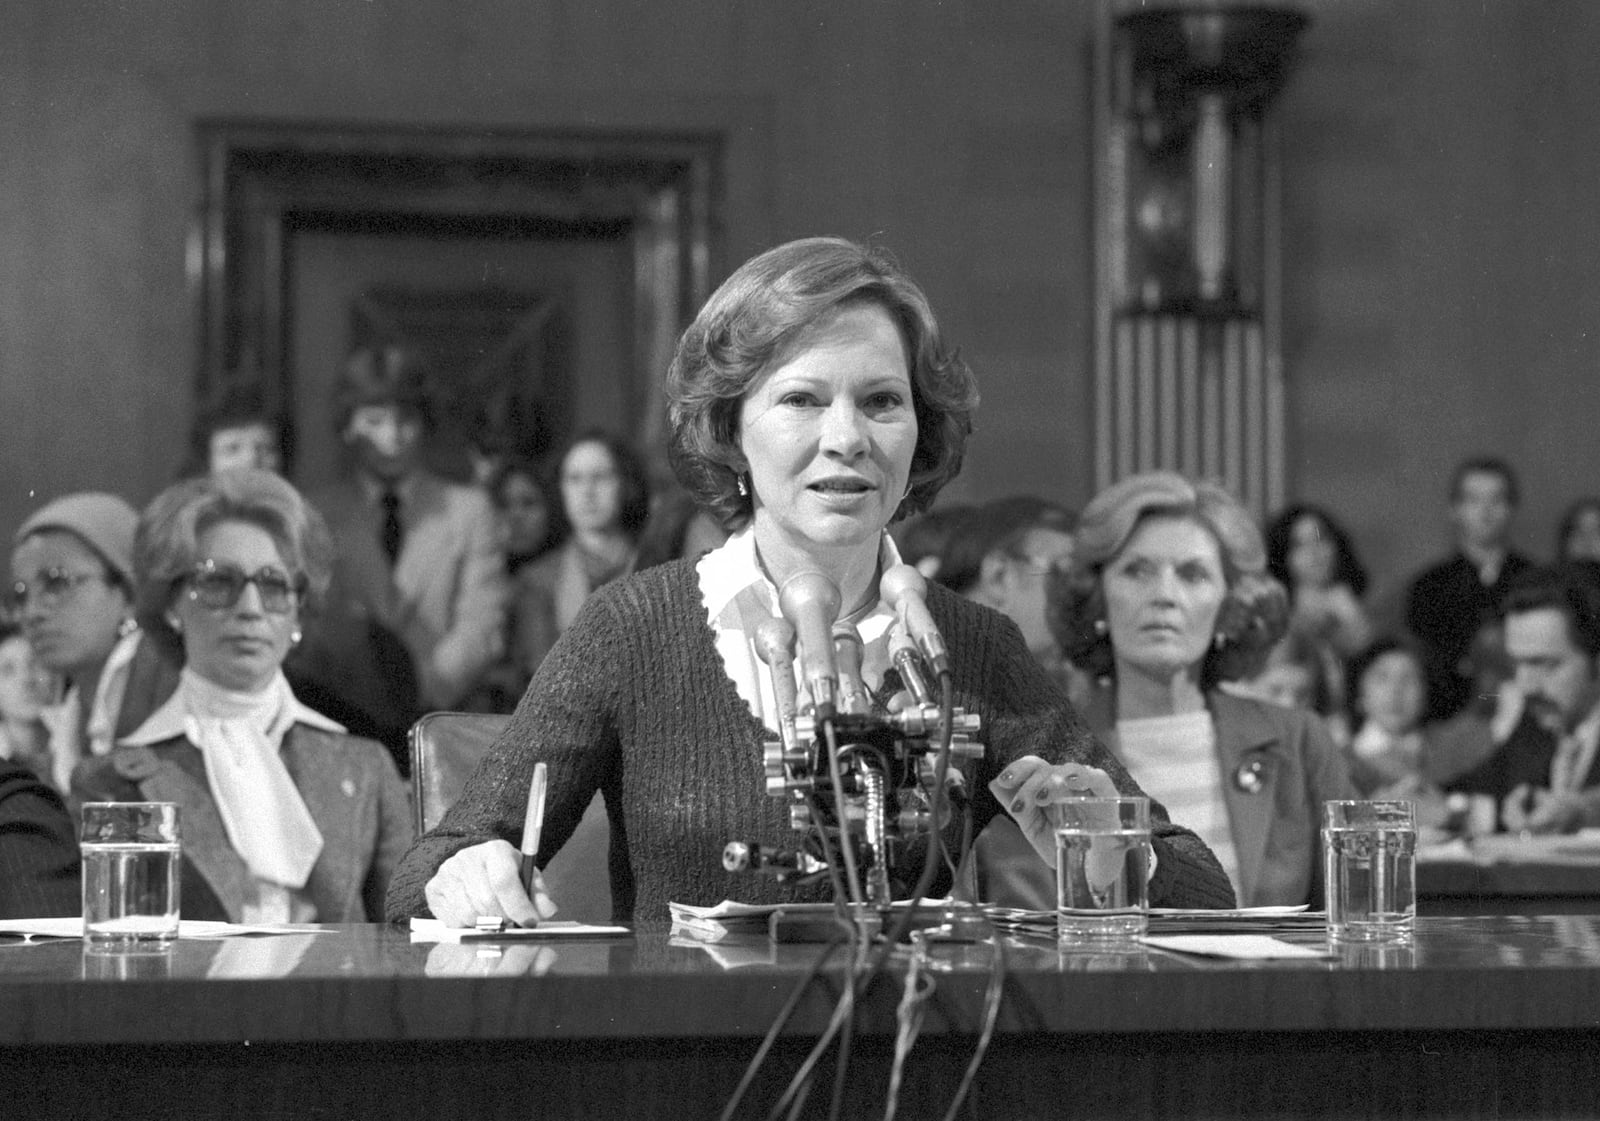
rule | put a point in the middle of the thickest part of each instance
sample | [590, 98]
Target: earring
[175, 623]
[295, 636]
[1101, 627]
[1219, 640]
[744, 489]
[127, 627]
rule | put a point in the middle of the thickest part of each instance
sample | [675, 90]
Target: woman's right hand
[485, 880]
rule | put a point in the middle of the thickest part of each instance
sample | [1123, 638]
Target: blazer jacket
[38, 848]
[349, 785]
[446, 595]
[1277, 765]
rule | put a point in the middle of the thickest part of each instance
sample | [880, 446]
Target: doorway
[545, 277]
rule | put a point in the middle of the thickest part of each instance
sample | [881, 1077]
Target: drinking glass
[1102, 869]
[1370, 870]
[130, 874]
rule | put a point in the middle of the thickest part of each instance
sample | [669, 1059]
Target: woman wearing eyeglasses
[285, 817]
[72, 594]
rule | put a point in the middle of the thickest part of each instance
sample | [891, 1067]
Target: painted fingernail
[1005, 778]
[1018, 806]
[1043, 796]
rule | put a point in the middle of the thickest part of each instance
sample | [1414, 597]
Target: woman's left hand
[1029, 786]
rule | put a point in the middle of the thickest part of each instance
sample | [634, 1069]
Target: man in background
[1449, 603]
[417, 555]
[1544, 772]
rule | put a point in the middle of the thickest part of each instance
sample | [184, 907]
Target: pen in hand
[533, 825]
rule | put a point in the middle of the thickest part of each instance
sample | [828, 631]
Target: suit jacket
[446, 596]
[39, 871]
[349, 785]
[1524, 760]
[1446, 605]
[1278, 765]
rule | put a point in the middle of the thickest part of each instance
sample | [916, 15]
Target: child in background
[24, 690]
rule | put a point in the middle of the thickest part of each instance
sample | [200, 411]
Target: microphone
[903, 653]
[847, 649]
[775, 647]
[905, 590]
[810, 601]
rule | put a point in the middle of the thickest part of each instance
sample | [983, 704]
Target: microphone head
[811, 595]
[900, 581]
[775, 641]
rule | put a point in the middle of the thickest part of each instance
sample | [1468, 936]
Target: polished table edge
[1535, 973]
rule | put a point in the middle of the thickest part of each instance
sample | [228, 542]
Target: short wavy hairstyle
[755, 318]
[1347, 567]
[1254, 613]
[166, 545]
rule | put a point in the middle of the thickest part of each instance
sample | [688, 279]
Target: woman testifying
[811, 403]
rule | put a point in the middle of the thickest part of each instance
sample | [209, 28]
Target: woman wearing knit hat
[72, 593]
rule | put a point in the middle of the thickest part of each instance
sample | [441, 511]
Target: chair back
[446, 748]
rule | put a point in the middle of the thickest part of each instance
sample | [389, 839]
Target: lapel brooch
[1247, 776]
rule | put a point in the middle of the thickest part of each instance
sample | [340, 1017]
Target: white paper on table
[1245, 947]
[72, 927]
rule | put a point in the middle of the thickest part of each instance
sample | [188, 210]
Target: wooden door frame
[259, 174]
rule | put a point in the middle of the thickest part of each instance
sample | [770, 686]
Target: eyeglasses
[49, 588]
[219, 586]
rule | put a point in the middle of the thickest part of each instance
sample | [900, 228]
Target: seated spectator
[1299, 672]
[923, 538]
[40, 875]
[235, 429]
[286, 818]
[605, 501]
[418, 555]
[72, 591]
[24, 691]
[1545, 769]
[1578, 538]
[1168, 597]
[1448, 603]
[678, 526]
[518, 492]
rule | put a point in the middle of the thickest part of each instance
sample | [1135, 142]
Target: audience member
[1449, 602]
[72, 592]
[518, 492]
[1545, 772]
[605, 501]
[1310, 554]
[235, 429]
[39, 871]
[924, 538]
[678, 526]
[24, 691]
[1012, 548]
[417, 554]
[286, 818]
[1169, 597]
[1297, 674]
[1578, 537]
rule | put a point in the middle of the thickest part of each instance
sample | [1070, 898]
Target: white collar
[733, 566]
[170, 720]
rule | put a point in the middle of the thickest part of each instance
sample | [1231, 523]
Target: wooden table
[1490, 1017]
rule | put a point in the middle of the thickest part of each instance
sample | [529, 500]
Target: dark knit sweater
[633, 701]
